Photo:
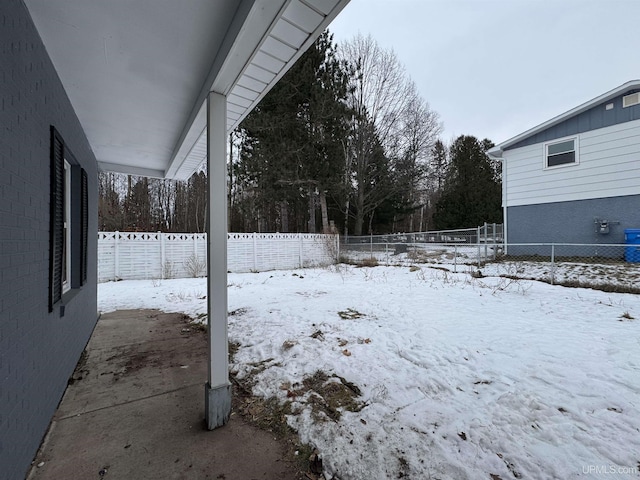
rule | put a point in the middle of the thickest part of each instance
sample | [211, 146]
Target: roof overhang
[138, 73]
[497, 151]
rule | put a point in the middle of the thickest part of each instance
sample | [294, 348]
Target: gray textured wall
[38, 350]
[572, 222]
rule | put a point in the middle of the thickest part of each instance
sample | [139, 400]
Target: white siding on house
[609, 166]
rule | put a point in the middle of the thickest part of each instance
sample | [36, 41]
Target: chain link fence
[481, 252]
[466, 246]
[608, 267]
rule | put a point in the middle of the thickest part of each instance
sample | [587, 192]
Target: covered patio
[157, 86]
[133, 409]
[145, 87]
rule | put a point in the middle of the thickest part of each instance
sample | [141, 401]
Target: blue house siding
[592, 119]
[572, 222]
[38, 349]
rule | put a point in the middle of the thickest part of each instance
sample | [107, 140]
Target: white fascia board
[246, 33]
[229, 52]
[313, 36]
[496, 152]
[251, 27]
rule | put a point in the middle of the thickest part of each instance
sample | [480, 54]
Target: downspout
[504, 205]
[496, 154]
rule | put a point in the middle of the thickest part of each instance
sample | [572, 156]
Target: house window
[561, 153]
[68, 230]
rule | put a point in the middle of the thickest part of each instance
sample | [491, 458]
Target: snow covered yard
[610, 274]
[459, 378]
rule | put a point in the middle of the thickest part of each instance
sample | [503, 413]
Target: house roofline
[496, 152]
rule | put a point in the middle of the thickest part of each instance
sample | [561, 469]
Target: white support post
[218, 388]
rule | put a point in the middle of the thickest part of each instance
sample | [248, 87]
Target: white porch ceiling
[138, 72]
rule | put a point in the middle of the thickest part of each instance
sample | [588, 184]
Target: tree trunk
[312, 209]
[324, 212]
[346, 218]
[284, 216]
[357, 229]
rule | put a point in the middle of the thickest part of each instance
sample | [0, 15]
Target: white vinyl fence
[145, 255]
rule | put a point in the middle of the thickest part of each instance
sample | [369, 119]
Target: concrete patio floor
[134, 409]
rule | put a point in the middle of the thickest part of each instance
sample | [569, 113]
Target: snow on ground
[462, 258]
[461, 378]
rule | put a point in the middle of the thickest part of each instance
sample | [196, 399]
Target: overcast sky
[495, 68]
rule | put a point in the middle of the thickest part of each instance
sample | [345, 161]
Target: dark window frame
[77, 199]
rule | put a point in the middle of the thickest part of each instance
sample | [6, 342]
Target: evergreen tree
[137, 205]
[472, 192]
[292, 156]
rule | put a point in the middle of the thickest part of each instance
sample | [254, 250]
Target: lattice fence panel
[241, 252]
[106, 256]
[182, 253]
[135, 256]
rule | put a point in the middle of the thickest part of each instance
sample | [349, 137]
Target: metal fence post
[495, 242]
[486, 239]
[455, 259]
[478, 242]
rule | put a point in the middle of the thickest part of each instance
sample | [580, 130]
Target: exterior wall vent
[630, 100]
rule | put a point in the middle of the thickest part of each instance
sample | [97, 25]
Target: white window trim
[66, 277]
[576, 147]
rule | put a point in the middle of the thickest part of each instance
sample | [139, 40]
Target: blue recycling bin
[632, 237]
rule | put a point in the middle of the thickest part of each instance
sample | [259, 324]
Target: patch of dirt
[81, 370]
[270, 415]
[482, 382]
[233, 349]
[350, 314]
[367, 262]
[328, 396]
[318, 335]
[404, 467]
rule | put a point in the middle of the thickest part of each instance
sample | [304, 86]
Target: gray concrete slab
[135, 410]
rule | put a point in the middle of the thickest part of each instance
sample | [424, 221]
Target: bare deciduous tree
[391, 123]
